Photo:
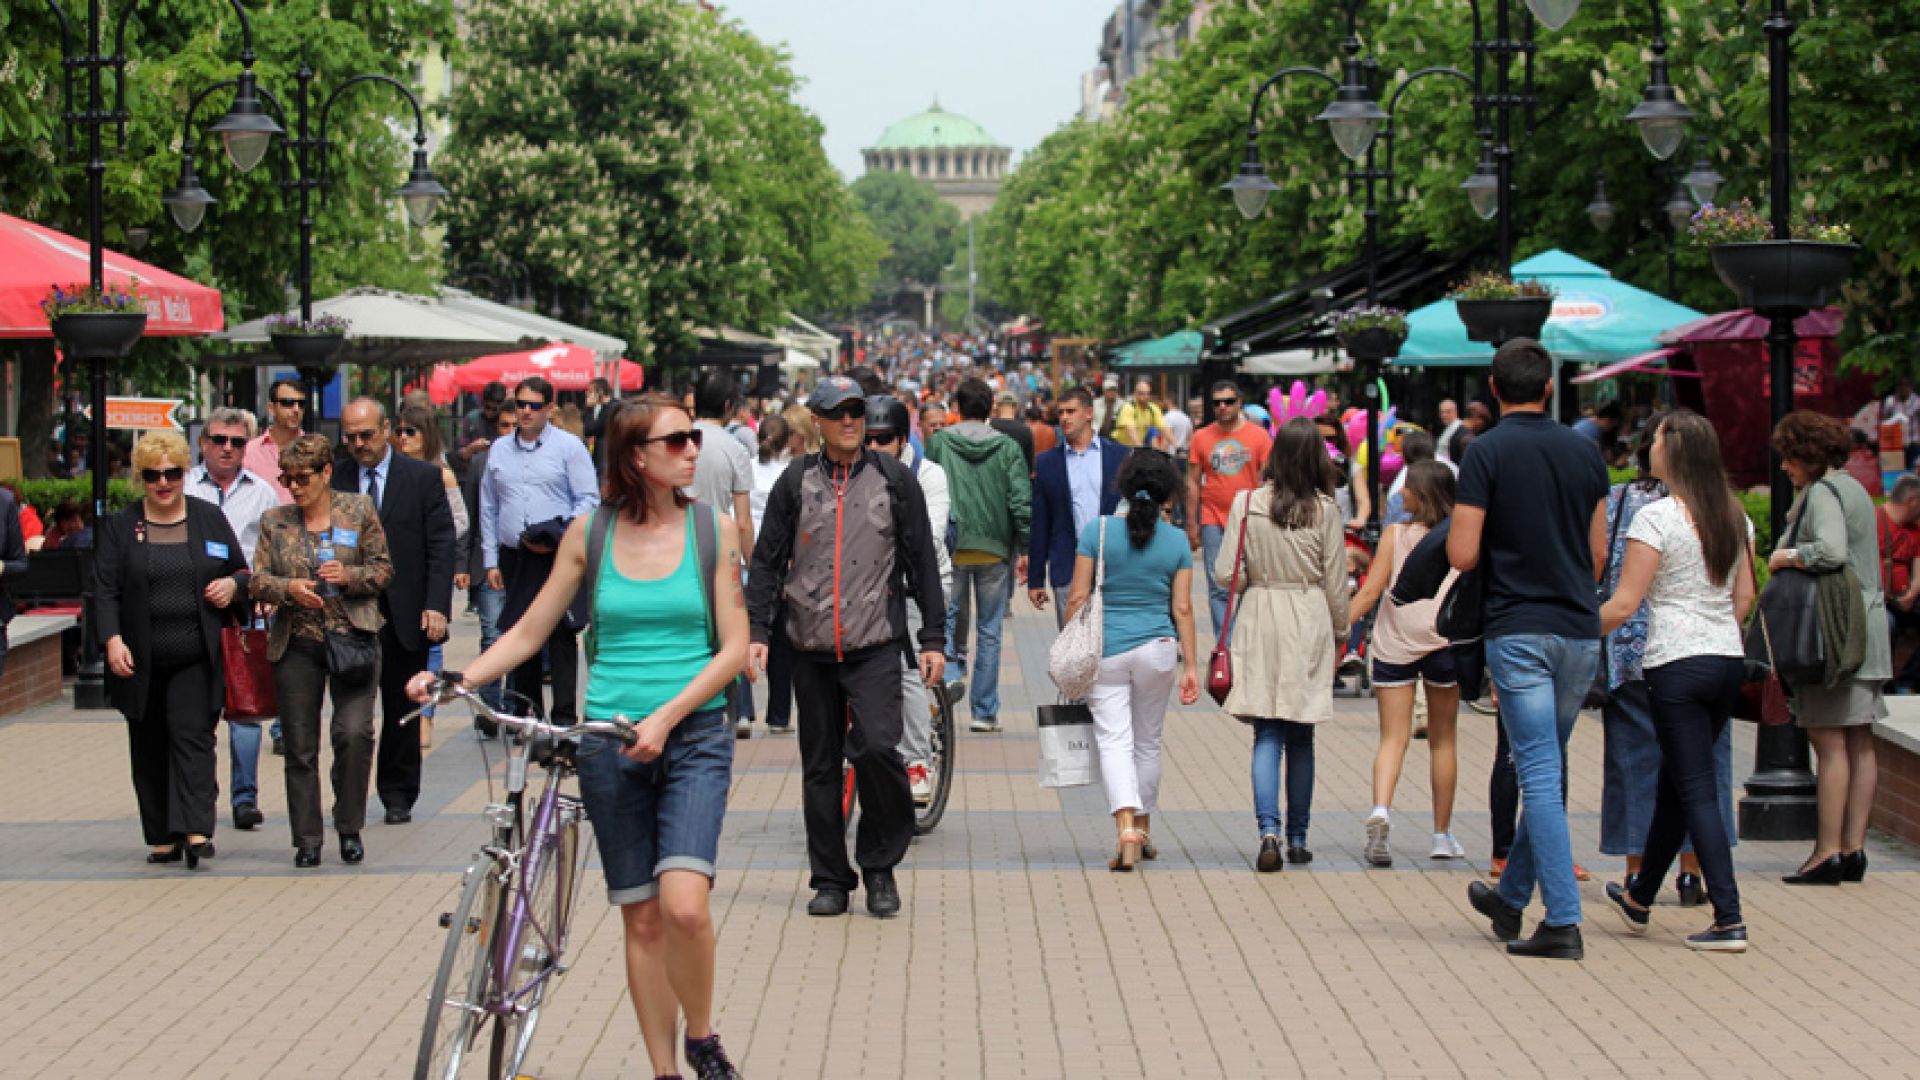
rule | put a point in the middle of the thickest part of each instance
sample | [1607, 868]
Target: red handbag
[249, 676]
[1763, 696]
[1220, 665]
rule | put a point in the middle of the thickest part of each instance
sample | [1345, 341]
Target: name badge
[346, 537]
[216, 550]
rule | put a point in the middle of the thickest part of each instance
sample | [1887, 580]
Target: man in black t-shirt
[1532, 503]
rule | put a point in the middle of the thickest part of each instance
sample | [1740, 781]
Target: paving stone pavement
[1019, 955]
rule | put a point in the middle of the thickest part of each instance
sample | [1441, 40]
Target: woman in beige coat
[1290, 612]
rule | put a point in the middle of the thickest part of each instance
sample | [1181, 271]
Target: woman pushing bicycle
[656, 806]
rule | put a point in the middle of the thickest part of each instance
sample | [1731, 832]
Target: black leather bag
[352, 656]
[1790, 606]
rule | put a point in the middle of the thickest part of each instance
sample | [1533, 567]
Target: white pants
[1129, 705]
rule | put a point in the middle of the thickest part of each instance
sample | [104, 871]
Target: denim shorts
[663, 815]
[1436, 668]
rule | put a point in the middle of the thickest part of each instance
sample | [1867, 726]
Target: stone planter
[1793, 276]
[1497, 322]
[98, 335]
[1375, 344]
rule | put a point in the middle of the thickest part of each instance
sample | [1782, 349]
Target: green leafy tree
[922, 232]
[247, 248]
[647, 155]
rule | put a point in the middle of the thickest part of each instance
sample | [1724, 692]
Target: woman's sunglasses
[171, 475]
[676, 442]
[406, 432]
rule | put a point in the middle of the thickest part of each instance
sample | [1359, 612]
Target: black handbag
[352, 655]
[1790, 607]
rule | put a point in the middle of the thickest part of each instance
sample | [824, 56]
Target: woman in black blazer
[169, 566]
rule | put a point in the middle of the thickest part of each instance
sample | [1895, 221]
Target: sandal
[1147, 850]
[1128, 855]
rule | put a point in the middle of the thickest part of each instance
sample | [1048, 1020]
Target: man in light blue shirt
[537, 480]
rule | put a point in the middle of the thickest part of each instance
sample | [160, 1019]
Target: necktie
[373, 487]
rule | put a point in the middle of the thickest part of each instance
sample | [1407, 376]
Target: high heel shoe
[1692, 890]
[1853, 865]
[1828, 871]
[197, 852]
[170, 855]
[1128, 856]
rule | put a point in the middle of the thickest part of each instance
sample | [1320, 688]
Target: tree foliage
[648, 155]
[1120, 229]
[922, 232]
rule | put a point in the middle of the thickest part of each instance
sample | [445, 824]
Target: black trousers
[1503, 791]
[525, 573]
[172, 750]
[303, 682]
[850, 713]
[1692, 701]
[396, 773]
[779, 672]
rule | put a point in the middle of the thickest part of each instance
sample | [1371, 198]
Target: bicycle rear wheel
[454, 1016]
[940, 763]
[550, 897]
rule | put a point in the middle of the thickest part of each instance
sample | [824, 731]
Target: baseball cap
[832, 392]
[1006, 397]
[1111, 380]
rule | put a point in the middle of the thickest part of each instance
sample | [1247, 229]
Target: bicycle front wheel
[550, 898]
[455, 1013]
[940, 764]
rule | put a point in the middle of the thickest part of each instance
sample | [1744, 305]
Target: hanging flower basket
[1497, 322]
[308, 350]
[99, 335]
[1783, 275]
[1371, 335]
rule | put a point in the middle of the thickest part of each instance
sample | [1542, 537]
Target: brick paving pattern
[1018, 955]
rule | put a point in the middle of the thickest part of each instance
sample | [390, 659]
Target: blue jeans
[1211, 537]
[490, 603]
[1542, 679]
[663, 815]
[1272, 740]
[243, 752]
[989, 583]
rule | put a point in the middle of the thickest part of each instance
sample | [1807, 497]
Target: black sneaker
[1550, 943]
[279, 746]
[828, 902]
[883, 897]
[709, 1060]
[1268, 861]
[1637, 919]
[247, 817]
[1715, 939]
[1504, 916]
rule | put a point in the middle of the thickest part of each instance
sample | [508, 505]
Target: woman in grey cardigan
[1834, 515]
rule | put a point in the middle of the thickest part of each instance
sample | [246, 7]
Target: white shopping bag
[1068, 755]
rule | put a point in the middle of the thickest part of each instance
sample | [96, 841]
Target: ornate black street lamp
[187, 203]
[90, 684]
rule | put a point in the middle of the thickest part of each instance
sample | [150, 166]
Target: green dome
[934, 129]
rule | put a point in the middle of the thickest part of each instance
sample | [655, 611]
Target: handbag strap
[1793, 535]
[1233, 582]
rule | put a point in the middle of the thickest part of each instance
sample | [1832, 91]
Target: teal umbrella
[1595, 319]
[1177, 351]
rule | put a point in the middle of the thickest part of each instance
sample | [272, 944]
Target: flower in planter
[1370, 317]
[1493, 285]
[319, 326]
[1742, 224]
[85, 300]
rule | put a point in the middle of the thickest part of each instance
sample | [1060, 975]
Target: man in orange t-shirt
[1226, 458]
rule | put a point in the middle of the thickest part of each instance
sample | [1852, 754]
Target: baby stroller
[1352, 675]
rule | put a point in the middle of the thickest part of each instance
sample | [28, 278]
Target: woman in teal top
[658, 657]
[1145, 569]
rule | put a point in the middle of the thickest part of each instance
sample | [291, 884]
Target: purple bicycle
[507, 936]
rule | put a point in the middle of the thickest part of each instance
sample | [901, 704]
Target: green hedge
[44, 495]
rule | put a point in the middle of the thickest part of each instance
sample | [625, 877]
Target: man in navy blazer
[1072, 485]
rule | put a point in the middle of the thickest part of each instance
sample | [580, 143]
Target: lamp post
[1685, 194]
[85, 58]
[187, 203]
[1359, 126]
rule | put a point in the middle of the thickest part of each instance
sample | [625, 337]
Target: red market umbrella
[566, 365]
[34, 258]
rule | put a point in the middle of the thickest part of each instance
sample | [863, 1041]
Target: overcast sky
[1013, 66]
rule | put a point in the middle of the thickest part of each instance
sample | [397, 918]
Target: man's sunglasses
[357, 436]
[406, 432]
[226, 440]
[882, 438]
[528, 406]
[677, 441]
[852, 410]
[1225, 402]
[291, 402]
[170, 475]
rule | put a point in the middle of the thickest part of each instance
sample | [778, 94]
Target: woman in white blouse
[1689, 556]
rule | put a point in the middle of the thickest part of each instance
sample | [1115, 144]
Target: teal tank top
[651, 639]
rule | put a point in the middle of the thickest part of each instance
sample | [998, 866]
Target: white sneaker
[920, 781]
[743, 728]
[1378, 827]
[1446, 847]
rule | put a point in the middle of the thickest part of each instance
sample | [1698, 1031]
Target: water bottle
[322, 554]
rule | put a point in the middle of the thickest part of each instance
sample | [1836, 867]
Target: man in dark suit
[1072, 485]
[412, 500]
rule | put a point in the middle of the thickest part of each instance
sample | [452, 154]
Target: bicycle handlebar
[448, 688]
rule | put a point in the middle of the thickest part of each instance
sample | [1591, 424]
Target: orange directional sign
[142, 414]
